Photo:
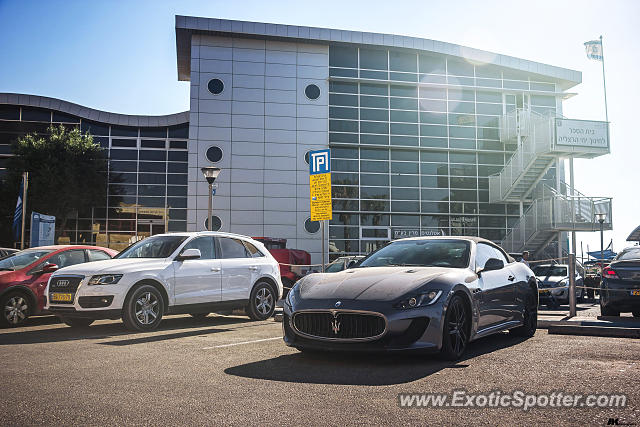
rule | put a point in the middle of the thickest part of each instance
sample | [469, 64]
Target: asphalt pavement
[231, 371]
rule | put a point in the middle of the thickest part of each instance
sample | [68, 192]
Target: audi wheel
[16, 307]
[143, 309]
[262, 302]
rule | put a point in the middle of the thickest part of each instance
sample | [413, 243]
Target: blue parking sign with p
[319, 162]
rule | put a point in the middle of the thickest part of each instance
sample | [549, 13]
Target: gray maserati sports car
[428, 293]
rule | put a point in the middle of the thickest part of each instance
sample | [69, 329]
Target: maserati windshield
[421, 253]
[153, 247]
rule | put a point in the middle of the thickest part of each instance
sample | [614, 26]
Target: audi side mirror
[492, 264]
[352, 263]
[191, 253]
[49, 268]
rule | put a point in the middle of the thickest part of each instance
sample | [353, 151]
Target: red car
[24, 276]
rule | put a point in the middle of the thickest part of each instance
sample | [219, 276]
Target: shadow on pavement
[100, 331]
[362, 368]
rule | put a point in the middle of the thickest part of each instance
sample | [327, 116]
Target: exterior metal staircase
[537, 150]
[549, 211]
[553, 211]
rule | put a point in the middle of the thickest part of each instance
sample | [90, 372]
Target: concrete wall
[264, 124]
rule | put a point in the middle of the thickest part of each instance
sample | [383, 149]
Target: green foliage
[67, 171]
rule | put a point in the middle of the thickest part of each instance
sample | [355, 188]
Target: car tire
[262, 301]
[143, 309]
[607, 311]
[76, 322]
[16, 308]
[455, 331]
[199, 316]
[530, 319]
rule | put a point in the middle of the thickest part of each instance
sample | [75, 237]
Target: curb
[595, 331]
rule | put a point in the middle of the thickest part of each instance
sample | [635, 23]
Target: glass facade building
[147, 189]
[414, 137]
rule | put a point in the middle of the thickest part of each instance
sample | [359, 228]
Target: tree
[67, 171]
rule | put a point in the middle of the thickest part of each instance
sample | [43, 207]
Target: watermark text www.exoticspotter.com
[514, 399]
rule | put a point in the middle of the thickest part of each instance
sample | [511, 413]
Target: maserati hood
[370, 283]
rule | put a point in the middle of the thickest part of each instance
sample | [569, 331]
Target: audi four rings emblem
[62, 283]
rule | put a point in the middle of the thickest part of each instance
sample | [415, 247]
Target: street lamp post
[600, 217]
[210, 174]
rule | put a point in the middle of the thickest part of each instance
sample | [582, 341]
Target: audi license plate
[543, 292]
[61, 297]
[635, 292]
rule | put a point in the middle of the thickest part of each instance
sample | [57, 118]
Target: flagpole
[25, 183]
[604, 83]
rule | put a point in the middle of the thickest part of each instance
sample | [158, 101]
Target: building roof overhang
[186, 26]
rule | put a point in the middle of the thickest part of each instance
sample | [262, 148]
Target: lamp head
[210, 173]
[600, 217]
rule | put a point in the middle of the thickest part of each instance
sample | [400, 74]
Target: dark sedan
[433, 294]
[620, 289]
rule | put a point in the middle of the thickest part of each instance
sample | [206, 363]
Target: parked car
[434, 294]
[342, 263]
[7, 251]
[620, 290]
[554, 284]
[24, 276]
[195, 273]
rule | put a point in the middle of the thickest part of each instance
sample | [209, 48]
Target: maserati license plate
[635, 292]
[61, 297]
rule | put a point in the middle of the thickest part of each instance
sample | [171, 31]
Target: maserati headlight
[420, 300]
[290, 296]
[105, 279]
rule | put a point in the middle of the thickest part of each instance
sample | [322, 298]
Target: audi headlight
[105, 279]
[419, 300]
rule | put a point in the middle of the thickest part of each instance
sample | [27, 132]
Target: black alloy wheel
[529, 318]
[456, 329]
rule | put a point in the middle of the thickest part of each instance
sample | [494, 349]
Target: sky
[120, 56]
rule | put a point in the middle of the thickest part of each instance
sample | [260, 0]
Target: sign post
[320, 190]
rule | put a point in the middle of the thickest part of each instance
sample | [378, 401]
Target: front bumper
[418, 329]
[96, 302]
[553, 295]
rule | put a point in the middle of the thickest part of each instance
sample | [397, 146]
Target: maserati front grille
[340, 325]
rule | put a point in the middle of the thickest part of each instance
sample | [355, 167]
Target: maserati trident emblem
[335, 326]
[338, 304]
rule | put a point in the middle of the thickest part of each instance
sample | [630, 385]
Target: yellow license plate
[61, 297]
[543, 292]
[635, 292]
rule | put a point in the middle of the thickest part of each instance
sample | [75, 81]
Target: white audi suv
[195, 273]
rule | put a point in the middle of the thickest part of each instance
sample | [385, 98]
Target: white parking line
[241, 343]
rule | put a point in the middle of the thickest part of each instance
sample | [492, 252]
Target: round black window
[312, 91]
[216, 223]
[214, 154]
[311, 226]
[306, 157]
[216, 86]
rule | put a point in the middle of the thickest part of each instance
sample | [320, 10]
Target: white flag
[594, 49]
